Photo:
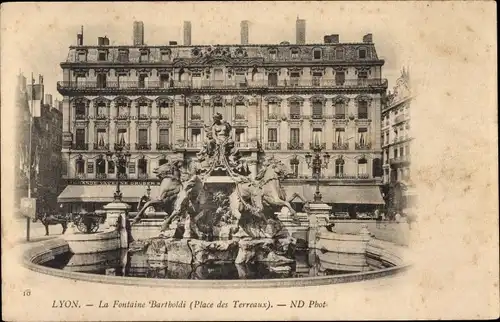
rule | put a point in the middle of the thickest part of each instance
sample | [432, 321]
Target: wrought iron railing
[163, 146]
[314, 145]
[98, 146]
[340, 146]
[363, 146]
[119, 146]
[80, 146]
[272, 146]
[143, 146]
[295, 146]
[101, 175]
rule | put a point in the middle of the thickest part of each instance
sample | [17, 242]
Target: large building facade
[46, 138]
[397, 139]
[281, 99]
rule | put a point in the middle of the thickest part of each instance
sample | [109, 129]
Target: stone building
[396, 142]
[46, 149]
[281, 99]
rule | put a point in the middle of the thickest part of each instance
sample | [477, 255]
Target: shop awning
[104, 193]
[336, 194]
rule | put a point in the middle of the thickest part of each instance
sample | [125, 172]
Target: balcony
[273, 116]
[363, 146]
[295, 116]
[67, 86]
[80, 146]
[272, 146]
[193, 145]
[143, 146]
[164, 117]
[340, 146]
[80, 117]
[121, 176]
[363, 116]
[240, 117]
[125, 146]
[123, 117]
[339, 116]
[318, 116]
[101, 117]
[295, 146]
[163, 146]
[400, 160]
[143, 117]
[245, 144]
[81, 175]
[313, 146]
[101, 147]
[101, 175]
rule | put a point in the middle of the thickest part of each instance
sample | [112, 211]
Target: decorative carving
[195, 99]
[216, 99]
[296, 98]
[318, 98]
[273, 99]
[363, 98]
[240, 99]
[340, 99]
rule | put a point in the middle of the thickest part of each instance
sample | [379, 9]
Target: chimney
[172, 43]
[244, 26]
[106, 41]
[368, 38]
[100, 41]
[331, 39]
[79, 38]
[48, 99]
[300, 31]
[187, 33]
[138, 36]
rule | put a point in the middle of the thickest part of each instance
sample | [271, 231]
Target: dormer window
[273, 53]
[102, 56]
[317, 54]
[123, 56]
[144, 56]
[82, 56]
[362, 53]
[295, 53]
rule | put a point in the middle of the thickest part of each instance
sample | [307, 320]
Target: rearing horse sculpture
[171, 185]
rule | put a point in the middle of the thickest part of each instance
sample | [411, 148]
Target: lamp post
[316, 163]
[119, 157]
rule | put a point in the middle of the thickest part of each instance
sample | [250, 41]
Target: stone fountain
[217, 212]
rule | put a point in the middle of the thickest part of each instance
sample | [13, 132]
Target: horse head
[169, 169]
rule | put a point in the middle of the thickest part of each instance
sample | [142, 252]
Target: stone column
[116, 219]
[318, 214]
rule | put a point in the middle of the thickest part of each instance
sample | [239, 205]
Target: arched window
[339, 167]
[362, 167]
[254, 72]
[111, 167]
[340, 110]
[121, 167]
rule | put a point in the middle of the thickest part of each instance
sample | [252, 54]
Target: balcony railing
[80, 146]
[295, 116]
[163, 146]
[193, 145]
[340, 146]
[240, 117]
[80, 117]
[121, 176]
[363, 146]
[401, 159]
[318, 116]
[272, 146]
[301, 83]
[101, 117]
[245, 144]
[143, 116]
[101, 175]
[362, 116]
[123, 116]
[339, 116]
[143, 146]
[164, 117]
[313, 145]
[98, 146]
[81, 175]
[272, 116]
[195, 117]
[125, 146]
[295, 146]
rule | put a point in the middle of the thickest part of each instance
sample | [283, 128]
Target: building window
[294, 136]
[317, 54]
[143, 110]
[102, 138]
[142, 166]
[295, 53]
[240, 111]
[80, 138]
[101, 80]
[218, 108]
[121, 167]
[316, 78]
[122, 137]
[362, 140]
[143, 136]
[123, 110]
[273, 110]
[407, 149]
[295, 169]
[377, 167]
[294, 79]
[164, 136]
[317, 110]
[111, 167]
[339, 53]
[100, 166]
[339, 136]
[273, 53]
[294, 110]
[164, 78]
[102, 111]
[144, 56]
[272, 79]
[195, 135]
[102, 56]
[123, 56]
[362, 167]
[339, 78]
[196, 112]
[80, 111]
[340, 110]
[317, 137]
[164, 110]
[395, 153]
[401, 152]
[362, 53]
[82, 56]
[164, 56]
[143, 78]
[122, 81]
[80, 166]
[239, 135]
[339, 167]
[272, 135]
[363, 110]
[81, 81]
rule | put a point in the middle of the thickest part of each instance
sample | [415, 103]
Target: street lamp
[119, 158]
[315, 163]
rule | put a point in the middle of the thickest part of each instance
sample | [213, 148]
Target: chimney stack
[368, 38]
[300, 30]
[244, 26]
[187, 33]
[48, 99]
[138, 36]
[79, 38]
[331, 39]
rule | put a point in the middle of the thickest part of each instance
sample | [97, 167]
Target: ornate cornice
[295, 98]
[340, 99]
[273, 99]
[318, 98]
[240, 99]
[197, 99]
[363, 97]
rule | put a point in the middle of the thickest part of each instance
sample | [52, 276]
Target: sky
[43, 32]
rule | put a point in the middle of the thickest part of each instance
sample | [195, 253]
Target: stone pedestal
[318, 214]
[116, 219]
